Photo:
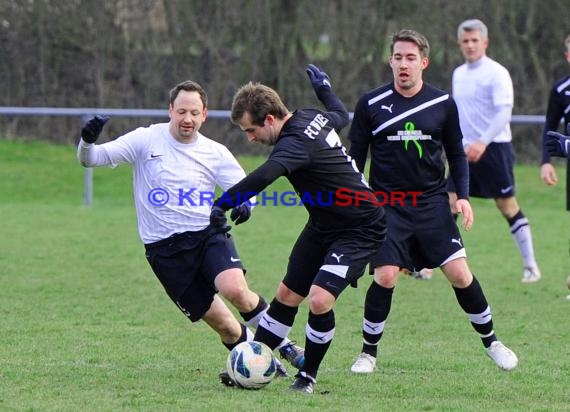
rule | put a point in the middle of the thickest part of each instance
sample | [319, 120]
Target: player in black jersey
[340, 236]
[558, 108]
[408, 125]
[557, 144]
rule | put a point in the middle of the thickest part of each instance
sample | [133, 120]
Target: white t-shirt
[483, 91]
[173, 182]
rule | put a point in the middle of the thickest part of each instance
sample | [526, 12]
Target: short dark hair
[412, 36]
[258, 100]
[188, 86]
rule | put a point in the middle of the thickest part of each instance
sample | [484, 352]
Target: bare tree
[128, 53]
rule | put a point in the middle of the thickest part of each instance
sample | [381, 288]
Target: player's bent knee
[287, 297]
[320, 300]
[458, 274]
[386, 276]
[235, 293]
[232, 285]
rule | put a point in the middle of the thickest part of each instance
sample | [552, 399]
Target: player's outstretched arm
[318, 77]
[92, 128]
[250, 185]
[322, 85]
[87, 153]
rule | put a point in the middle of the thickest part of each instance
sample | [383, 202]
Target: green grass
[86, 326]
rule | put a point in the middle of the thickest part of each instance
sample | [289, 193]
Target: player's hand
[557, 144]
[318, 77]
[93, 127]
[218, 220]
[241, 213]
[548, 174]
[463, 207]
[475, 150]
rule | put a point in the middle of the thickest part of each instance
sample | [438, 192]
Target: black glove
[218, 220]
[318, 77]
[557, 144]
[92, 128]
[241, 213]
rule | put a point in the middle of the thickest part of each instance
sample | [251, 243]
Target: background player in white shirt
[175, 172]
[483, 91]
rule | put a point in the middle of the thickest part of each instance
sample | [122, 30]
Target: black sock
[252, 318]
[277, 317]
[242, 338]
[376, 309]
[472, 300]
[319, 333]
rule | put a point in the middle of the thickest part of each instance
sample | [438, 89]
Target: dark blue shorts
[421, 236]
[332, 261]
[492, 176]
[186, 265]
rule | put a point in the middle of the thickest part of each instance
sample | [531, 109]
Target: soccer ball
[251, 364]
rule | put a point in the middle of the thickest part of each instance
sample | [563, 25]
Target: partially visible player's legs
[232, 332]
[232, 285]
[319, 329]
[277, 321]
[520, 229]
[472, 300]
[222, 265]
[221, 319]
[376, 310]
[319, 332]
[252, 307]
[304, 263]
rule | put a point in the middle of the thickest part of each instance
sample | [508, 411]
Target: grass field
[86, 326]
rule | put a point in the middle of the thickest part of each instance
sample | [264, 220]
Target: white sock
[520, 230]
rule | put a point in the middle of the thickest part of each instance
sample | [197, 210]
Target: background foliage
[129, 53]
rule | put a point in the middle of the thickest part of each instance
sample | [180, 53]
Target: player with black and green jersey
[408, 125]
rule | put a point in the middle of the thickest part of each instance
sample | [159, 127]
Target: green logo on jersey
[410, 127]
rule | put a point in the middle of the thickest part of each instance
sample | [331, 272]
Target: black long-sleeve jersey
[558, 108]
[407, 138]
[310, 154]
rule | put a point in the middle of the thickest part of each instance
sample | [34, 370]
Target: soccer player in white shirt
[175, 172]
[483, 91]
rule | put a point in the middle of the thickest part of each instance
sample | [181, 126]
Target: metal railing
[86, 112]
[220, 114]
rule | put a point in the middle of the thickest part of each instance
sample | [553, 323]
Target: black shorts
[492, 176]
[186, 265]
[332, 261]
[422, 236]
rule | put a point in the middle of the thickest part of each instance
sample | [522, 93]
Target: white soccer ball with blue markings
[251, 364]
